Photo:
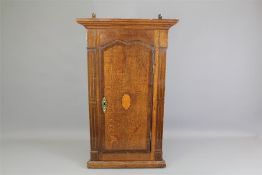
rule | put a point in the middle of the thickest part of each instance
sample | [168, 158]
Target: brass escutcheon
[104, 104]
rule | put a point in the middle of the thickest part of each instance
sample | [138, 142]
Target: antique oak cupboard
[126, 84]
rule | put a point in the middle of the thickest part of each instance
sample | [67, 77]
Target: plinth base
[126, 164]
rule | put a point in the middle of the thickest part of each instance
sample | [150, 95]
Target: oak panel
[127, 68]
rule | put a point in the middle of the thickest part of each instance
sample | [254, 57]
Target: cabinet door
[126, 94]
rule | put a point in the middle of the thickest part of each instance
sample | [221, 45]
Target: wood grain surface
[126, 66]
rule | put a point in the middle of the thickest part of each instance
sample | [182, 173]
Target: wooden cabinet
[126, 84]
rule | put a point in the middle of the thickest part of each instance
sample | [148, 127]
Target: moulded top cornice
[101, 23]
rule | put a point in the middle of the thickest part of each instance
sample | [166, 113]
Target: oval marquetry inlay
[126, 101]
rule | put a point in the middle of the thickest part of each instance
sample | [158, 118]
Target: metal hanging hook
[159, 16]
[93, 15]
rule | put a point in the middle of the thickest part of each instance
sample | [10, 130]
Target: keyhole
[104, 104]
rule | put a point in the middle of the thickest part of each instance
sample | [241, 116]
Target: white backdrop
[1, 69]
[260, 69]
[213, 85]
